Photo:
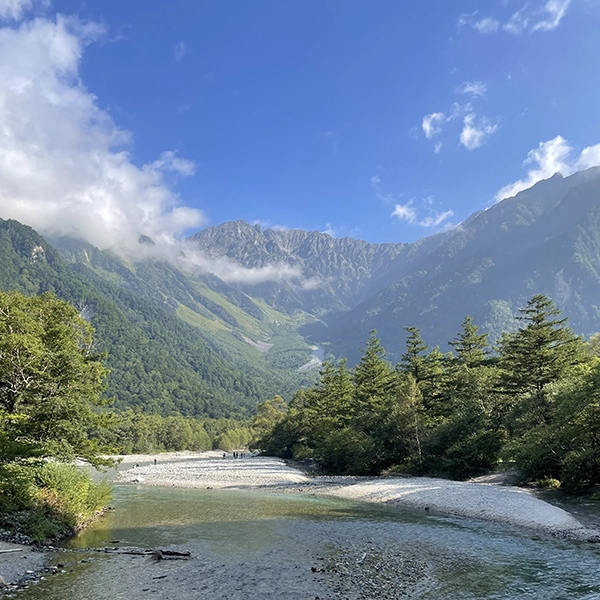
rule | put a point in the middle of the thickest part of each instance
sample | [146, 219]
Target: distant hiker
[154, 462]
[224, 454]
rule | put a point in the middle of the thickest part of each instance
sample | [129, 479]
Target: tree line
[532, 401]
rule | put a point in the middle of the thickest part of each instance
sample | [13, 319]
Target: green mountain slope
[246, 333]
[544, 240]
[157, 361]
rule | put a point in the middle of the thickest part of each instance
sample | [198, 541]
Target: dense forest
[532, 401]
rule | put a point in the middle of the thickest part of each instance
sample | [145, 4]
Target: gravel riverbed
[475, 500]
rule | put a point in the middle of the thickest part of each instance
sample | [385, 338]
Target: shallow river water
[258, 545]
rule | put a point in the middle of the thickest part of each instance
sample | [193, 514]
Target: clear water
[257, 545]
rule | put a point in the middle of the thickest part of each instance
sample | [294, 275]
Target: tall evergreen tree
[471, 347]
[373, 377]
[543, 351]
[412, 360]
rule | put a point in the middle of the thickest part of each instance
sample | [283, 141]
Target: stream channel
[251, 545]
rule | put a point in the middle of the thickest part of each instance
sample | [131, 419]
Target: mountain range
[242, 313]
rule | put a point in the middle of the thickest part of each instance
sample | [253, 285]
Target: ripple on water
[254, 546]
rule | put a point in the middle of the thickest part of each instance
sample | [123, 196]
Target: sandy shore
[475, 500]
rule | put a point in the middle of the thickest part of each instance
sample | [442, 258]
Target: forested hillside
[534, 404]
[544, 240]
[157, 362]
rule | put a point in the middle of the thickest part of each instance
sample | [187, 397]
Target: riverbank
[20, 564]
[475, 500]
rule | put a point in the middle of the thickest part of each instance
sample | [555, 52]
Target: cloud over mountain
[553, 156]
[65, 166]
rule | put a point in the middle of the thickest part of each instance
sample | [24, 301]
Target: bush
[49, 500]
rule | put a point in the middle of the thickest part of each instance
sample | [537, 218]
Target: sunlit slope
[246, 332]
[157, 361]
[544, 240]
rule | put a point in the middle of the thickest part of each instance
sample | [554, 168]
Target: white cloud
[552, 14]
[487, 25]
[436, 219]
[472, 88]
[180, 51]
[405, 212]
[15, 9]
[232, 272]
[330, 230]
[169, 161]
[475, 131]
[375, 180]
[432, 124]
[553, 156]
[518, 22]
[589, 157]
[268, 224]
[64, 164]
[409, 213]
[528, 19]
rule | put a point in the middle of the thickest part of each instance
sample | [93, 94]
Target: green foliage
[46, 499]
[540, 353]
[50, 380]
[454, 415]
[268, 414]
[136, 432]
[158, 363]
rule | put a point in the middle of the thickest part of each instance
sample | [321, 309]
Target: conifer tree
[412, 360]
[373, 377]
[471, 347]
[543, 351]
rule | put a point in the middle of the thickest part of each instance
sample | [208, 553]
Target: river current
[247, 545]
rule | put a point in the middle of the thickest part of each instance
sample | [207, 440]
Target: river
[316, 359]
[253, 546]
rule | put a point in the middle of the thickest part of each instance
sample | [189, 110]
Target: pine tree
[373, 376]
[543, 351]
[412, 362]
[471, 347]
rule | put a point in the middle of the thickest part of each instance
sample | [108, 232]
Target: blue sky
[384, 120]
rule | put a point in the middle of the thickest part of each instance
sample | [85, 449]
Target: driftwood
[170, 555]
[11, 550]
[157, 553]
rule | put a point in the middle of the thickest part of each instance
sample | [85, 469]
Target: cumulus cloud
[528, 19]
[65, 167]
[475, 131]
[268, 224]
[476, 128]
[553, 156]
[472, 88]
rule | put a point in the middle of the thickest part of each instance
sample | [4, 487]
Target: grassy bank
[48, 501]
